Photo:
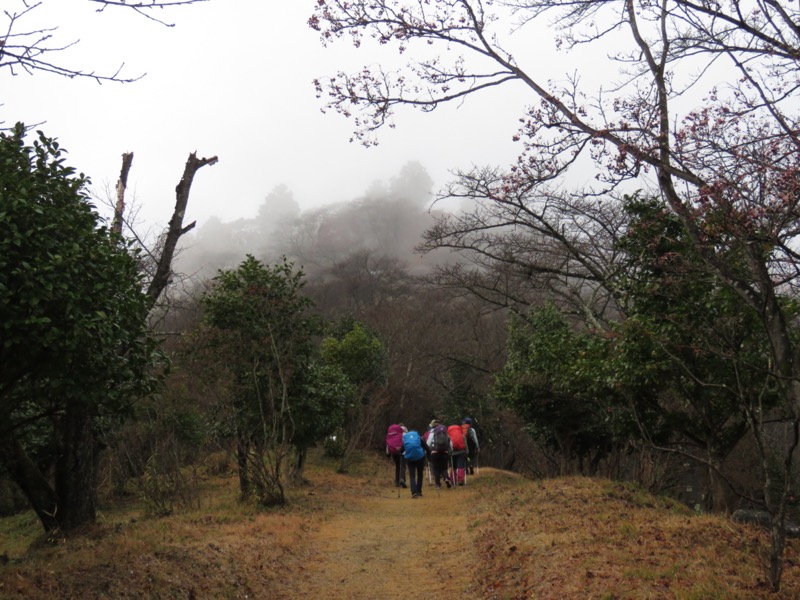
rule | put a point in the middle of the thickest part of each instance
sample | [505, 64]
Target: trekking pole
[396, 482]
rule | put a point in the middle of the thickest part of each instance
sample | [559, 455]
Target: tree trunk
[242, 449]
[76, 470]
[176, 229]
[33, 484]
[564, 441]
[122, 185]
[300, 465]
[718, 487]
[776, 553]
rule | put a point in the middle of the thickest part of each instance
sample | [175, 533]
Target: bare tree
[30, 48]
[727, 165]
[159, 259]
[518, 247]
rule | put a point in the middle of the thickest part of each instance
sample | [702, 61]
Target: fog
[231, 79]
[385, 223]
[234, 79]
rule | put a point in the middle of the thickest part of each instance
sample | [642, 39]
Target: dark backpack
[412, 447]
[441, 441]
[469, 436]
[394, 439]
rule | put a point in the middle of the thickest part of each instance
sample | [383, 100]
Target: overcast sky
[233, 78]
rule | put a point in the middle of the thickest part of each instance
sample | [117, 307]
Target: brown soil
[384, 544]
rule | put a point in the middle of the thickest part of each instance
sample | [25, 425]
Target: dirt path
[383, 546]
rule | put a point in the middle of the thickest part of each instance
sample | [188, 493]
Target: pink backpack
[394, 439]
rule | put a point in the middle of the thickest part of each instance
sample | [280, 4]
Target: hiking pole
[391, 462]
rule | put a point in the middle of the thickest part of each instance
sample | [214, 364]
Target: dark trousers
[472, 455]
[416, 469]
[399, 469]
[440, 462]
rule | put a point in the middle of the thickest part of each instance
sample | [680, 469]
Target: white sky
[233, 78]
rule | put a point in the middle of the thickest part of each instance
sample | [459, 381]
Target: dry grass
[590, 538]
[356, 537]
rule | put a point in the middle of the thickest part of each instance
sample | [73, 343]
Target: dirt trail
[383, 546]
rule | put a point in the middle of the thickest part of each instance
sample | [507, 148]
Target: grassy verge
[591, 538]
[562, 538]
[224, 549]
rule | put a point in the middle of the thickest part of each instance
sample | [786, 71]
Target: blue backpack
[412, 446]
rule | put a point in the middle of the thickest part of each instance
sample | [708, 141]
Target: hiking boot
[414, 496]
[403, 484]
[449, 485]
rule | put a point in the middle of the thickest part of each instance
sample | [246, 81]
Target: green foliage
[318, 406]
[358, 353]
[691, 354]
[335, 446]
[361, 357]
[462, 399]
[554, 379]
[72, 312]
[74, 342]
[260, 322]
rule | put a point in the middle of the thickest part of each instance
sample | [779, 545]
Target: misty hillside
[386, 223]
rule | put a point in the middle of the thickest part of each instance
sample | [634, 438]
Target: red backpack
[394, 439]
[457, 437]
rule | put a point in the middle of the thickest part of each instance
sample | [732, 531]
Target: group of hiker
[451, 452]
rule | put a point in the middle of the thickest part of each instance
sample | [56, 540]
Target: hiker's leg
[461, 463]
[436, 460]
[412, 477]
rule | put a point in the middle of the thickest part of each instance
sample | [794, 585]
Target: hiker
[414, 452]
[394, 449]
[458, 456]
[441, 446]
[473, 448]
